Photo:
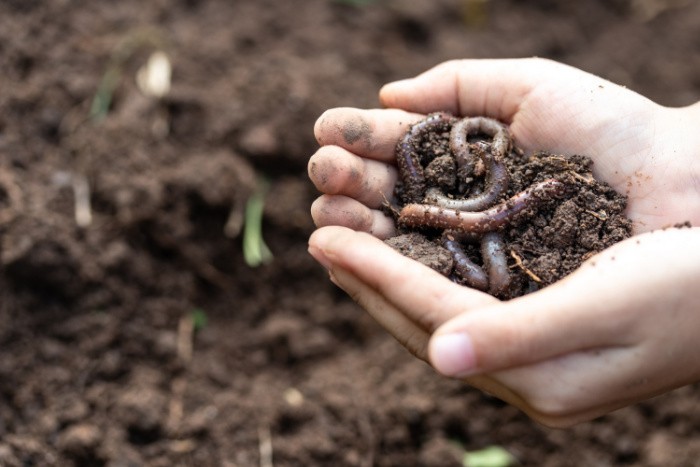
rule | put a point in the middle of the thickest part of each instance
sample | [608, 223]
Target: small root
[602, 216]
[519, 264]
[588, 180]
[389, 208]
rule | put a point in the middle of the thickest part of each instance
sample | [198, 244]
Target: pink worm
[493, 251]
[489, 220]
[470, 272]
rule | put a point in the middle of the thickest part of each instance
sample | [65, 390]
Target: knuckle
[429, 320]
[555, 408]
[416, 343]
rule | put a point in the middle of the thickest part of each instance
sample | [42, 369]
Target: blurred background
[157, 304]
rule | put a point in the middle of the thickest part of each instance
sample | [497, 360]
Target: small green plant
[105, 90]
[255, 251]
[492, 456]
[138, 39]
[199, 319]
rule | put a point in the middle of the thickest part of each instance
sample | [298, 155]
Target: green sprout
[105, 91]
[492, 456]
[255, 251]
[199, 319]
[138, 39]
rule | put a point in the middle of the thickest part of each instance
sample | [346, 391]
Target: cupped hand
[620, 329]
[581, 347]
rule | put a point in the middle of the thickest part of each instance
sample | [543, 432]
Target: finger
[559, 319]
[423, 295]
[367, 133]
[387, 315]
[336, 171]
[493, 88]
[338, 210]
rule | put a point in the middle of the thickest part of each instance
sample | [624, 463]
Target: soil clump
[544, 241]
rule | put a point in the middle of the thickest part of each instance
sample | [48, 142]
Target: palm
[623, 148]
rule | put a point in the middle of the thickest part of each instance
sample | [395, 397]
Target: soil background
[104, 358]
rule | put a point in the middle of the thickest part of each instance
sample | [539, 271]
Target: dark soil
[104, 357]
[542, 244]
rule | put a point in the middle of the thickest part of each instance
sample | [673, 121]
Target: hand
[583, 346]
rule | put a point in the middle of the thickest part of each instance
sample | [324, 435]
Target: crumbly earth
[545, 243]
[99, 361]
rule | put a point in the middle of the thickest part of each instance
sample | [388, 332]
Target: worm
[408, 159]
[497, 180]
[494, 218]
[459, 139]
[471, 273]
[475, 125]
[493, 252]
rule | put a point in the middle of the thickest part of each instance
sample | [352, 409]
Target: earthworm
[407, 156]
[497, 180]
[459, 139]
[475, 125]
[471, 273]
[494, 218]
[493, 252]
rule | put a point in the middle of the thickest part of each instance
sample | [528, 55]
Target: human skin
[620, 329]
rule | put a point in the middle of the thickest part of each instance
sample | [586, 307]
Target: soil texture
[546, 236]
[132, 330]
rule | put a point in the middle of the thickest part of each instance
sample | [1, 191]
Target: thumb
[493, 88]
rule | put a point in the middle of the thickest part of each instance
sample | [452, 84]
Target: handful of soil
[476, 209]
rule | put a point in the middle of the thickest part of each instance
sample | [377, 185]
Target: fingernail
[319, 256]
[453, 354]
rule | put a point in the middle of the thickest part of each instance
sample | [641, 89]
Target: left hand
[620, 329]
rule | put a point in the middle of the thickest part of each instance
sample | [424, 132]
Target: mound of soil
[547, 240]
